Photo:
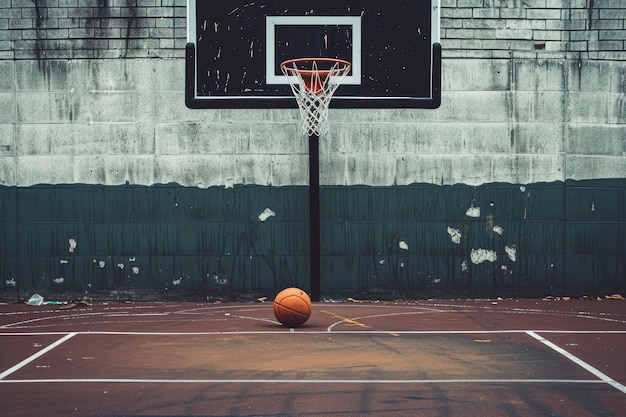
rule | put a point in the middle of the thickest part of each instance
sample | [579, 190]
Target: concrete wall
[534, 91]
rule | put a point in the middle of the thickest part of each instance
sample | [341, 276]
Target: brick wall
[570, 29]
[72, 29]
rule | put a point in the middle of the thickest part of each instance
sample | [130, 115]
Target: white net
[314, 87]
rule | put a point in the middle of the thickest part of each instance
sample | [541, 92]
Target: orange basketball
[292, 307]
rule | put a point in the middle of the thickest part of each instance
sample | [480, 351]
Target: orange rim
[315, 80]
[288, 66]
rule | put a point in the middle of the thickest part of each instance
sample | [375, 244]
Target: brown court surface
[414, 358]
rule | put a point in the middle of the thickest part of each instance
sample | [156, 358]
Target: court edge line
[35, 356]
[301, 381]
[602, 376]
[305, 332]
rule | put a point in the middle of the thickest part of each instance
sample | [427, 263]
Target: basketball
[292, 307]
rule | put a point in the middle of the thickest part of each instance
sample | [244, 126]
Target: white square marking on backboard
[272, 21]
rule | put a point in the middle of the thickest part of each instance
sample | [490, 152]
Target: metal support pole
[314, 215]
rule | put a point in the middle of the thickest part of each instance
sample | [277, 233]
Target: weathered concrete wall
[534, 91]
[113, 121]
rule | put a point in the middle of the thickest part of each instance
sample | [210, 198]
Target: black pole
[314, 214]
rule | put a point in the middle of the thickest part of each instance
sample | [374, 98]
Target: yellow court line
[354, 322]
[346, 320]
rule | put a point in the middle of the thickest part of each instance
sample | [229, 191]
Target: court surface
[415, 358]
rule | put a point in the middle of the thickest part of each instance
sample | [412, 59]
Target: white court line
[605, 378]
[36, 355]
[303, 381]
[303, 332]
[82, 315]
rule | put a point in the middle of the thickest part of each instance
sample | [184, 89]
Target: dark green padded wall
[168, 238]
[377, 242]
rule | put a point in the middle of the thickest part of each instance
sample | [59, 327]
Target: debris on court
[35, 300]
[261, 299]
[38, 300]
[585, 297]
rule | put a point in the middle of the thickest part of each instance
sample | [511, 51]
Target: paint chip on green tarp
[267, 213]
[455, 235]
[481, 255]
[511, 251]
[473, 212]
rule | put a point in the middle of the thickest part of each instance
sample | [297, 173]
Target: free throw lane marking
[579, 362]
[36, 355]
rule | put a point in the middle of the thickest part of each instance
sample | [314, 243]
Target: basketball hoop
[313, 82]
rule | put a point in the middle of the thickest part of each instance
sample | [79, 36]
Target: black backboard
[235, 48]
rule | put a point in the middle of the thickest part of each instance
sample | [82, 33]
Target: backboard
[235, 48]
